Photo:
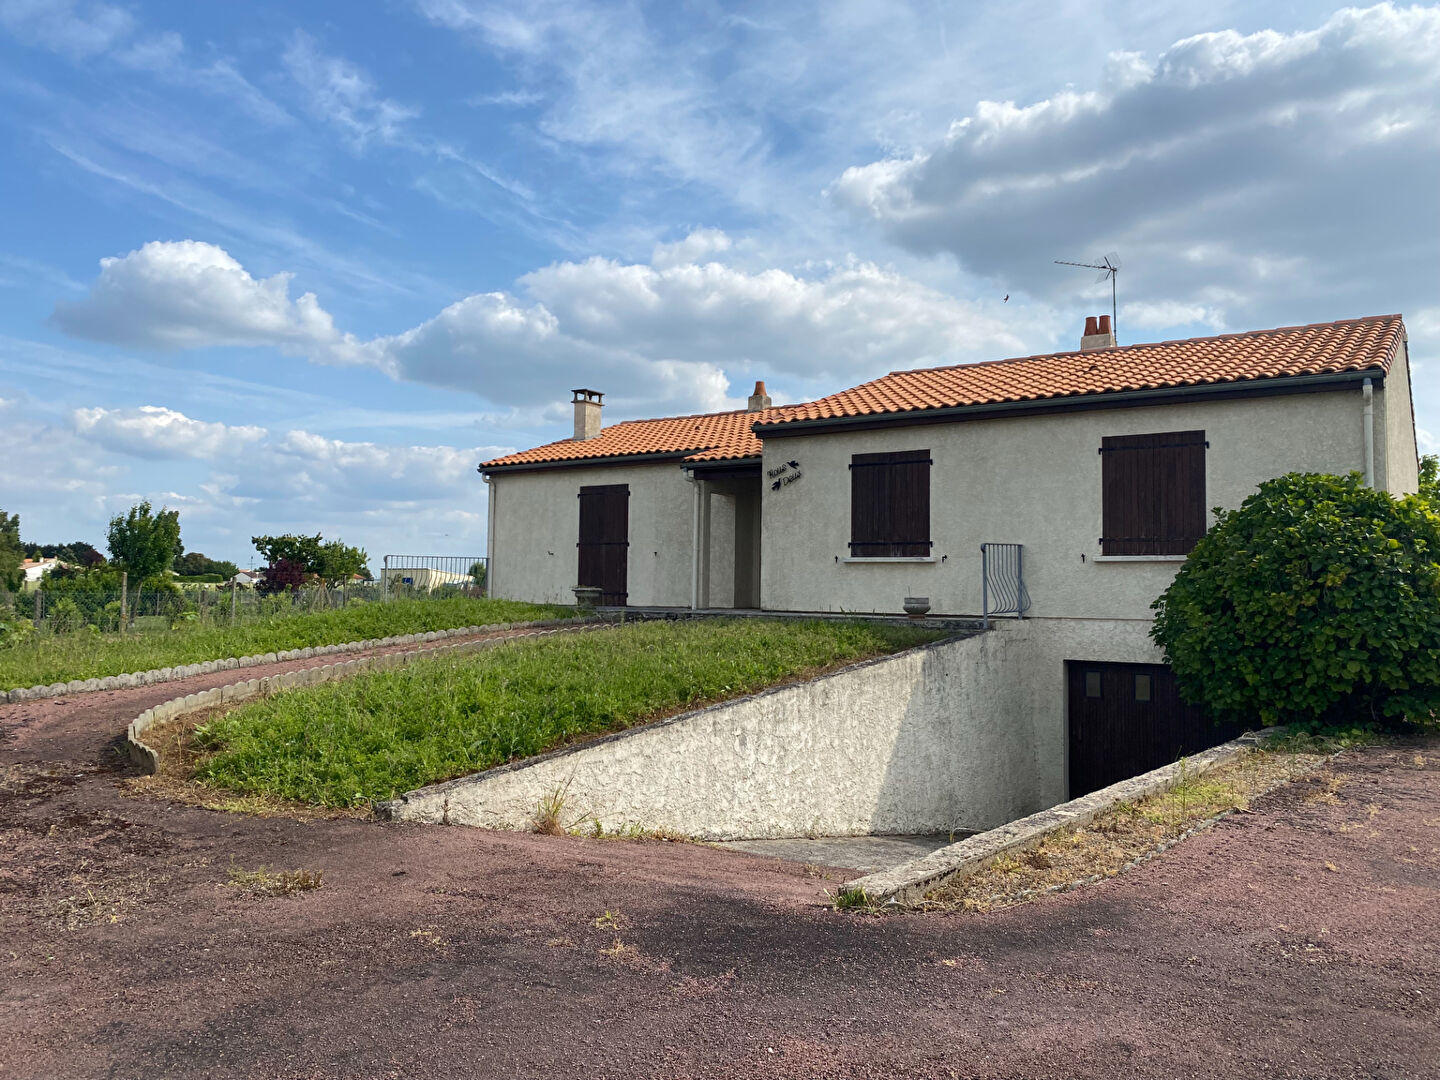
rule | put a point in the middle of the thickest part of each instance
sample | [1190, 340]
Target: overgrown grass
[61, 658]
[379, 734]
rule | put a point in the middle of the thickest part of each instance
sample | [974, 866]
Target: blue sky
[301, 267]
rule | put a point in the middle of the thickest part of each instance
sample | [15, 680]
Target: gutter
[1104, 400]
[578, 463]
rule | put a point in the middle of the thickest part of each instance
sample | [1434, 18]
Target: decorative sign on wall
[783, 475]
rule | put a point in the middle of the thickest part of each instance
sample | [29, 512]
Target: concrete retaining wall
[186, 671]
[909, 882]
[925, 741]
[145, 757]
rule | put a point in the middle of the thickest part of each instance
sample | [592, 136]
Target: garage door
[1126, 719]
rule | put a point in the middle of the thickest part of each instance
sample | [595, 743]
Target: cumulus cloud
[187, 294]
[253, 464]
[153, 431]
[1226, 170]
[666, 336]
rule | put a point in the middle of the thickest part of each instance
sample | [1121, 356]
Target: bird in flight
[1007, 299]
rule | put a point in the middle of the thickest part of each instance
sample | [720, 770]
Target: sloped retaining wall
[186, 671]
[924, 741]
[145, 757]
[909, 882]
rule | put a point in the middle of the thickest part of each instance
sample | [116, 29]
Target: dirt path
[1299, 941]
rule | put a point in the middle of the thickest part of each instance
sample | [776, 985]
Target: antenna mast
[1109, 267]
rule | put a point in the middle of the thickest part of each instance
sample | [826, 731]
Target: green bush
[1316, 602]
[65, 616]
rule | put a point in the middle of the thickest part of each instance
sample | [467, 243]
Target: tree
[339, 563]
[478, 574]
[1317, 602]
[333, 562]
[282, 575]
[195, 564]
[142, 542]
[11, 553]
[1429, 488]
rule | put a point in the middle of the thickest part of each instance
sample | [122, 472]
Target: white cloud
[157, 432]
[1227, 171]
[85, 31]
[187, 294]
[79, 30]
[340, 93]
[664, 337]
[694, 248]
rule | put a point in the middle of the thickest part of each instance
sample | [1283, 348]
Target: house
[36, 569]
[245, 578]
[1085, 476]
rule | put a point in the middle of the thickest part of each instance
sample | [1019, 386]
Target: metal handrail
[1002, 574]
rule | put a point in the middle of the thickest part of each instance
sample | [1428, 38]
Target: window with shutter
[890, 505]
[1153, 493]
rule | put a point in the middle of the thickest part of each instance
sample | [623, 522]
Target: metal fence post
[984, 588]
[124, 596]
[39, 607]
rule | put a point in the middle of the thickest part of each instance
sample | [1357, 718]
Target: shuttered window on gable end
[1153, 493]
[890, 505]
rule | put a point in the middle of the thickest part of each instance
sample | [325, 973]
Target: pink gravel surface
[1302, 940]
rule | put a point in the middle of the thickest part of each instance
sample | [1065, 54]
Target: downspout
[489, 534]
[694, 541]
[1368, 390]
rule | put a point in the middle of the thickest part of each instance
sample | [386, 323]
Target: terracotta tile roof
[703, 437]
[1321, 348]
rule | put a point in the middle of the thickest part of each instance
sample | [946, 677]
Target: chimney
[1098, 334]
[759, 400]
[587, 414]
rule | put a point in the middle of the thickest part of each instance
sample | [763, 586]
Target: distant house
[245, 578]
[36, 569]
[1086, 477]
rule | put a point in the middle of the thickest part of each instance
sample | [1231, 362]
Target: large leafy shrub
[1318, 600]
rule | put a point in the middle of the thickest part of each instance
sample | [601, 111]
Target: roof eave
[1284, 384]
[657, 458]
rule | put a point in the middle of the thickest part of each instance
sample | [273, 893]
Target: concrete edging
[909, 882]
[208, 667]
[146, 758]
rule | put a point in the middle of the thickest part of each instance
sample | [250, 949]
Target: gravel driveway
[1302, 940]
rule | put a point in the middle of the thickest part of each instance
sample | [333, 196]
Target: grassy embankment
[377, 735]
[63, 657]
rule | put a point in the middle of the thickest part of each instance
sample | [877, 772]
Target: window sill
[890, 558]
[1138, 558]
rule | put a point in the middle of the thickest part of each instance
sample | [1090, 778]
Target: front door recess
[605, 540]
[1126, 719]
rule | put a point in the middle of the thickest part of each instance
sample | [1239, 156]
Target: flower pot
[917, 606]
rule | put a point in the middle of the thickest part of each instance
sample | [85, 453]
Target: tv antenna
[1109, 267]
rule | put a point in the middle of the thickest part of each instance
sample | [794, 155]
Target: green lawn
[377, 735]
[62, 657]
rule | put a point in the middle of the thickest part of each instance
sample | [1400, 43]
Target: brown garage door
[1126, 719]
[605, 540]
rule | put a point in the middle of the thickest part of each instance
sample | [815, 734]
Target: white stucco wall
[964, 734]
[537, 524]
[1034, 481]
[1395, 430]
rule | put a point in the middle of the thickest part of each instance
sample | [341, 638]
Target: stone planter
[587, 597]
[917, 607]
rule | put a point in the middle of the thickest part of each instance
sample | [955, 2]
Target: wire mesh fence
[69, 609]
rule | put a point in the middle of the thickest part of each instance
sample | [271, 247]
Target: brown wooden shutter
[604, 544]
[1153, 493]
[890, 504]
